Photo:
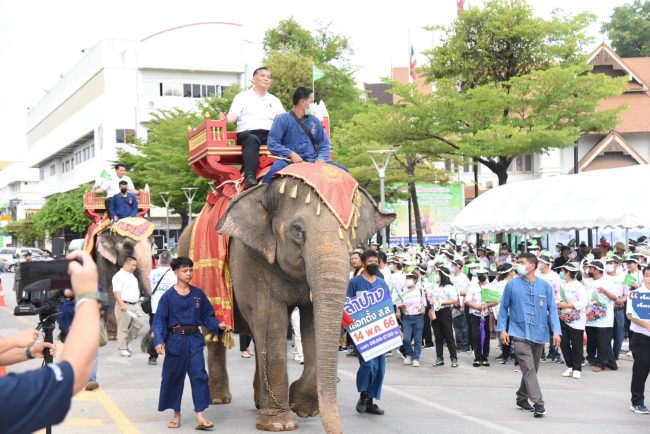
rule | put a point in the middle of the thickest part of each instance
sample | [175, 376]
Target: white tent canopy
[604, 199]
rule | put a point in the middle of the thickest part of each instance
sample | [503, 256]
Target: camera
[39, 285]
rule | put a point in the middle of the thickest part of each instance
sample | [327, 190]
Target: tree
[291, 51]
[629, 29]
[62, 211]
[161, 160]
[486, 52]
[24, 231]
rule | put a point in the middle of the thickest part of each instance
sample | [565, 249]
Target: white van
[76, 244]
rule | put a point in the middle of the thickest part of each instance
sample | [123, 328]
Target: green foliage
[629, 29]
[161, 161]
[504, 40]
[291, 50]
[24, 231]
[62, 211]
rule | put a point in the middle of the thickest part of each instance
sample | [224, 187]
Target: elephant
[110, 252]
[284, 254]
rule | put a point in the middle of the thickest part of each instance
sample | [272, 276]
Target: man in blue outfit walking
[181, 310]
[529, 303]
[370, 375]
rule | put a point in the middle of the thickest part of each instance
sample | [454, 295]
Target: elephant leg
[303, 394]
[218, 380]
[270, 333]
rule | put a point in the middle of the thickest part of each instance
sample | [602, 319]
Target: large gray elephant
[287, 250]
[111, 249]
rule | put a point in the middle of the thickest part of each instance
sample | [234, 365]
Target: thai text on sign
[374, 329]
[640, 304]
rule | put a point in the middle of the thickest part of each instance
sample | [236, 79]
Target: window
[171, 89]
[194, 90]
[123, 136]
[41, 173]
[52, 169]
[521, 164]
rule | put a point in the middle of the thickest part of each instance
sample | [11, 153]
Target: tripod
[47, 316]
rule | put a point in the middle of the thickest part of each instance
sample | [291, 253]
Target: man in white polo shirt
[128, 313]
[254, 111]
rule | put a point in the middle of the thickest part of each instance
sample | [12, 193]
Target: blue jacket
[286, 136]
[124, 206]
[530, 306]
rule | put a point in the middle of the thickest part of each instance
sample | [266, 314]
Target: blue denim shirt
[286, 136]
[530, 306]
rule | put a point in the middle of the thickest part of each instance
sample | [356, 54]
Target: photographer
[42, 397]
[23, 346]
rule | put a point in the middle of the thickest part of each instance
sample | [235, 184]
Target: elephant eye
[297, 232]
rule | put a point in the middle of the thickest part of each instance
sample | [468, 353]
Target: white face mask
[410, 283]
[437, 280]
[521, 269]
[311, 110]
[610, 268]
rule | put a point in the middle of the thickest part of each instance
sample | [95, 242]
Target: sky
[42, 39]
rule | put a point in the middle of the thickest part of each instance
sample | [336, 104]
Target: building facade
[108, 97]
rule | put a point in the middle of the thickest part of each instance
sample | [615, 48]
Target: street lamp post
[190, 192]
[166, 197]
[383, 156]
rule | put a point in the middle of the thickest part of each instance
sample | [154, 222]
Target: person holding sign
[600, 317]
[480, 299]
[528, 302]
[571, 305]
[638, 312]
[370, 375]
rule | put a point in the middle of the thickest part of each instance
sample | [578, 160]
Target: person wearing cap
[571, 305]
[412, 304]
[443, 298]
[459, 320]
[529, 303]
[620, 249]
[426, 282]
[544, 272]
[479, 317]
[600, 318]
[47, 255]
[505, 273]
[612, 268]
[374, 246]
[481, 253]
[640, 347]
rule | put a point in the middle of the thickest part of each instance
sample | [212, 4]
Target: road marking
[79, 421]
[440, 407]
[85, 396]
[121, 421]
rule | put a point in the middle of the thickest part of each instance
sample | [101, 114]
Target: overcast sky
[42, 39]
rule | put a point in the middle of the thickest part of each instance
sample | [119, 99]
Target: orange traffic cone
[2, 296]
[3, 371]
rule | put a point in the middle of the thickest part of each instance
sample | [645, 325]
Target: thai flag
[412, 64]
[461, 6]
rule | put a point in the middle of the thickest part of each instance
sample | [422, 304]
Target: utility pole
[166, 197]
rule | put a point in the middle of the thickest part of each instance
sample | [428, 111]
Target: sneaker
[568, 372]
[539, 410]
[503, 361]
[362, 404]
[543, 359]
[439, 362]
[641, 409]
[476, 363]
[92, 385]
[152, 361]
[558, 360]
[416, 363]
[373, 408]
[342, 350]
[577, 375]
[523, 404]
[629, 354]
[352, 353]
[125, 353]
[408, 360]
[389, 354]
[454, 363]
[516, 369]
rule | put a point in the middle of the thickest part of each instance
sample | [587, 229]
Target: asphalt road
[416, 400]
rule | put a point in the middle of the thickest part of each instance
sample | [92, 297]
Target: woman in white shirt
[442, 298]
[571, 307]
[479, 318]
[412, 304]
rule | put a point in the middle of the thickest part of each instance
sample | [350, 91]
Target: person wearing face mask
[426, 281]
[529, 303]
[412, 306]
[459, 320]
[479, 317]
[505, 272]
[612, 268]
[298, 136]
[544, 272]
[442, 299]
[123, 204]
[571, 306]
[600, 318]
[640, 347]
[370, 375]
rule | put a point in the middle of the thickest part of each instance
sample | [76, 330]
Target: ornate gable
[613, 143]
[603, 58]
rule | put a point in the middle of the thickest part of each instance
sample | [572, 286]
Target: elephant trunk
[327, 274]
[143, 254]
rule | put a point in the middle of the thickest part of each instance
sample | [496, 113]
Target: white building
[19, 192]
[109, 95]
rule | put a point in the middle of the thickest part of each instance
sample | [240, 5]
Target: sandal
[205, 425]
[173, 424]
[485, 363]
[476, 364]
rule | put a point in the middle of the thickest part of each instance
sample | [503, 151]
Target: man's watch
[99, 296]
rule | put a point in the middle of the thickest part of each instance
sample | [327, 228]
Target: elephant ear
[106, 248]
[371, 218]
[248, 221]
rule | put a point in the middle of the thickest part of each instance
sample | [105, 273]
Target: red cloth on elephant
[335, 187]
[209, 252]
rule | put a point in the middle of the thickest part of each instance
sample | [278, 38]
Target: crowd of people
[542, 306]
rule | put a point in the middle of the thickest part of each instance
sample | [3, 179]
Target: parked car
[76, 244]
[10, 256]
